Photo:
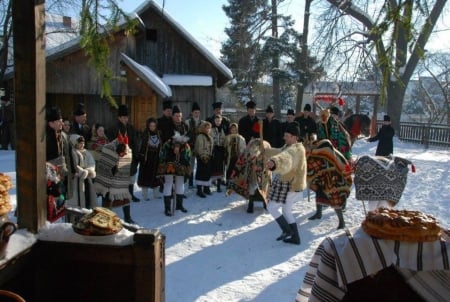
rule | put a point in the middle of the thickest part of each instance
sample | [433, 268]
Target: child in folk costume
[113, 176]
[174, 165]
[149, 159]
[84, 195]
[235, 146]
[98, 140]
[218, 158]
[203, 152]
[288, 165]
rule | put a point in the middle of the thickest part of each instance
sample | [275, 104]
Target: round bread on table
[5, 186]
[99, 222]
[401, 225]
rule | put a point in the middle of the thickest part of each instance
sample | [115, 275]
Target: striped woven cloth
[354, 255]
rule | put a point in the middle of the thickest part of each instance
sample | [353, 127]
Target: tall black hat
[269, 109]
[290, 112]
[250, 105]
[79, 110]
[195, 106]
[217, 105]
[123, 110]
[176, 109]
[53, 114]
[386, 118]
[307, 107]
[167, 104]
[293, 129]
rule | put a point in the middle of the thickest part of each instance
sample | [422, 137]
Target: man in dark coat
[272, 129]
[165, 122]
[307, 124]
[124, 129]
[79, 124]
[290, 118]
[384, 137]
[218, 110]
[248, 125]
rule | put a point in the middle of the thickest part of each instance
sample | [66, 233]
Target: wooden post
[30, 84]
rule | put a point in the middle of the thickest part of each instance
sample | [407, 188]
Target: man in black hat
[124, 129]
[79, 125]
[272, 129]
[192, 123]
[290, 118]
[289, 180]
[248, 125]
[307, 125]
[165, 121]
[218, 110]
[384, 137]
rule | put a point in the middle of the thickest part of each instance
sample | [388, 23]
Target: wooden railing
[423, 133]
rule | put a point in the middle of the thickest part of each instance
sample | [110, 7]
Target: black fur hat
[217, 105]
[167, 104]
[176, 109]
[269, 109]
[250, 105]
[123, 110]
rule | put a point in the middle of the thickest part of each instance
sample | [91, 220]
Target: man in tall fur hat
[288, 165]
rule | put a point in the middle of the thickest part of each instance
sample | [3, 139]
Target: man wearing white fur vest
[289, 180]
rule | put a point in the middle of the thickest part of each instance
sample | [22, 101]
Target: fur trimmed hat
[293, 129]
[176, 109]
[195, 106]
[79, 110]
[123, 110]
[217, 105]
[250, 105]
[53, 114]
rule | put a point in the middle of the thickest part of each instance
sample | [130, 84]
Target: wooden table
[341, 261]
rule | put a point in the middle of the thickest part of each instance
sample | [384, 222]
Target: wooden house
[161, 60]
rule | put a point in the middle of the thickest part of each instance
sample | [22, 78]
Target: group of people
[172, 152]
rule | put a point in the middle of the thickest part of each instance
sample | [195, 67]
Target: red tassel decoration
[120, 138]
[413, 168]
[125, 140]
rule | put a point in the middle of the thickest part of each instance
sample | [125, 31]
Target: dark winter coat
[165, 128]
[384, 137]
[149, 159]
[246, 127]
[272, 133]
[307, 126]
[225, 124]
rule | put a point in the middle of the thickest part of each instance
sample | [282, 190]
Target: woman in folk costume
[288, 165]
[203, 152]
[234, 146]
[84, 195]
[113, 175]
[174, 165]
[149, 159]
[218, 158]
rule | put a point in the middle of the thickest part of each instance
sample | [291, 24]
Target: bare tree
[394, 32]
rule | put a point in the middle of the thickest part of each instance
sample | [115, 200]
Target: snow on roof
[148, 76]
[215, 61]
[187, 80]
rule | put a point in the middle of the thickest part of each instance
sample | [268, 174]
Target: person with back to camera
[384, 137]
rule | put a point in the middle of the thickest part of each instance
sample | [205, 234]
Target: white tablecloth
[354, 255]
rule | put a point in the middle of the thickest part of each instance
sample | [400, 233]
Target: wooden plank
[29, 62]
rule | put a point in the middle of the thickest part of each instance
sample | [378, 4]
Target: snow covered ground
[218, 252]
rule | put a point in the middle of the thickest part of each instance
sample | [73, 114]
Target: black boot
[167, 207]
[294, 238]
[250, 204]
[218, 186]
[207, 190]
[318, 213]
[131, 190]
[179, 205]
[340, 216]
[284, 227]
[200, 192]
[191, 180]
[127, 215]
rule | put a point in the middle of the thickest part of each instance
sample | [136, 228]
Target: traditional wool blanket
[329, 174]
[380, 178]
[113, 174]
[249, 176]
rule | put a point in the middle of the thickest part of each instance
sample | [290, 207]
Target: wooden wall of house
[184, 96]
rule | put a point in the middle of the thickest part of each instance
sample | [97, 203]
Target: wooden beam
[29, 78]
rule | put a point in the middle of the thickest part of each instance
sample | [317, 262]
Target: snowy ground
[218, 252]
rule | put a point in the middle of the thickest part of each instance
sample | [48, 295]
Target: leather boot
[250, 204]
[218, 186]
[318, 213]
[167, 210]
[200, 192]
[285, 228]
[179, 203]
[207, 190]
[191, 180]
[294, 238]
[131, 190]
[340, 216]
[127, 215]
